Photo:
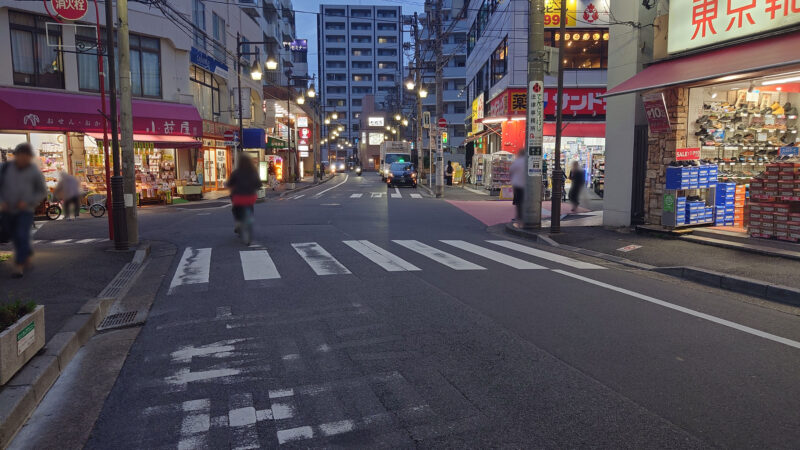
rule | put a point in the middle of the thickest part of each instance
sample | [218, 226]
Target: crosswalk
[257, 264]
[396, 194]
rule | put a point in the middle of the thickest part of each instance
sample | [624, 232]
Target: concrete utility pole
[437, 46]
[418, 81]
[558, 172]
[118, 202]
[126, 120]
[532, 204]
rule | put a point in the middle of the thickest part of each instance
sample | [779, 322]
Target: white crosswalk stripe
[257, 265]
[416, 195]
[493, 255]
[86, 241]
[381, 257]
[449, 260]
[546, 255]
[319, 259]
[356, 195]
[194, 268]
[61, 241]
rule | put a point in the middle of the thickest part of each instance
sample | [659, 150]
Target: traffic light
[444, 137]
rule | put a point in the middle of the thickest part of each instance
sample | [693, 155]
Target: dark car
[402, 174]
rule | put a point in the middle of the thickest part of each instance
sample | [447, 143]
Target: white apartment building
[454, 52]
[496, 73]
[360, 53]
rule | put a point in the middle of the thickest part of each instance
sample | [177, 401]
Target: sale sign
[70, 9]
[656, 109]
[687, 154]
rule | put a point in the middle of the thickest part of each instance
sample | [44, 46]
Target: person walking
[244, 184]
[577, 180]
[68, 190]
[272, 180]
[22, 188]
[517, 173]
[449, 173]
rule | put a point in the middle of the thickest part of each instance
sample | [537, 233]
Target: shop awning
[723, 64]
[476, 136]
[159, 141]
[27, 109]
[577, 129]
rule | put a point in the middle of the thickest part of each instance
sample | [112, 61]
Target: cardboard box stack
[775, 203]
[725, 204]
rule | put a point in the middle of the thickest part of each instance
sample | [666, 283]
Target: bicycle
[245, 228]
[52, 210]
[97, 205]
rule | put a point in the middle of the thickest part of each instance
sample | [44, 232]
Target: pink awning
[577, 129]
[726, 63]
[159, 140]
[28, 109]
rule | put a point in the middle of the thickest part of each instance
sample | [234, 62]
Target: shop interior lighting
[586, 36]
[517, 119]
[780, 81]
[567, 36]
[576, 37]
[558, 36]
[605, 36]
[596, 36]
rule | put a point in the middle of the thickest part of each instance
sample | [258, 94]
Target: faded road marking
[449, 260]
[356, 195]
[193, 268]
[320, 260]
[493, 255]
[546, 255]
[381, 257]
[415, 195]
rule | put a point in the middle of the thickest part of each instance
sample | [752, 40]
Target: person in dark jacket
[448, 173]
[244, 184]
[577, 178]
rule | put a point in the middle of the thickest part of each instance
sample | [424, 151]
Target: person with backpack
[22, 188]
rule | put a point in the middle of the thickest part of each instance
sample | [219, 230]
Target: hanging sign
[70, 9]
[687, 154]
[535, 127]
[656, 110]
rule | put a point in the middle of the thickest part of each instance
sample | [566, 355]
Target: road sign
[442, 122]
[426, 119]
[230, 135]
[70, 10]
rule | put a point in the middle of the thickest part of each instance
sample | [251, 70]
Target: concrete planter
[20, 342]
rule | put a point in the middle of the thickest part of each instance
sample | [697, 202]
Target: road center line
[332, 187]
[691, 312]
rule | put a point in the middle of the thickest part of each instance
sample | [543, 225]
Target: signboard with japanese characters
[577, 102]
[535, 127]
[698, 23]
[580, 13]
[302, 121]
[477, 113]
[656, 110]
[304, 134]
[70, 9]
[375, 121]
[68, 121]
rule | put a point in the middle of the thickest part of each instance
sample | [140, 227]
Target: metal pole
[558, 173]
[118, 200]
[101, 77]
[532, 200]
[239, 84]
[126, 119]
[439, 188]
[316, 142]
[418, 80]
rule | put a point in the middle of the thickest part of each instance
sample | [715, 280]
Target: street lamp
[410, 84]
[301, 99]
[397, 117]
[388, 128]
[311, 92]
[423, 93]
[327, 121]
[255, 71]
[335, 115]
[272, 64]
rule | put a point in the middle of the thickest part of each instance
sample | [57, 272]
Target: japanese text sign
[656, 110]
[552, 13]
[535, 127]
[576, 102]
[70, 9]
[698, 23]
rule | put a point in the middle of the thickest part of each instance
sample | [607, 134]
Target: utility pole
[418, 80]
[126, 120]
[558, 173]
[532, 202]
[118, 201]
[437, 48]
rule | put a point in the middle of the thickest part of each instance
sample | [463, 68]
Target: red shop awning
[27, 109]
[159, 140]
[744, 58]
[577, 129]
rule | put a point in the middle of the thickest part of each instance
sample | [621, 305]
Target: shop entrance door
[215, 168]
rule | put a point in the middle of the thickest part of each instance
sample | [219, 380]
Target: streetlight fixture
[397, 117]
[272, 64]
[327, 121]
[410, 84]
[255, 70]
[335, 115]
[301, 99]
[405, 122]
[311, 92]
[388, 128]
[423, 92]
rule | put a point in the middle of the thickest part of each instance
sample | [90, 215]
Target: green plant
[12, 311]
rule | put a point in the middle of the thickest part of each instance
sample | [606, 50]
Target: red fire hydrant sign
[70, 9]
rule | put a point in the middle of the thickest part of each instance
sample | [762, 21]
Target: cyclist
[244, 183]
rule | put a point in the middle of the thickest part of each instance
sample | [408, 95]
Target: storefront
[723, 141]
[65, 131]
[214, 163]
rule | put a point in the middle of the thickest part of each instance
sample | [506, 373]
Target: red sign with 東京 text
[578, 102]
[687, 154]
[70, 9]
[656, 111]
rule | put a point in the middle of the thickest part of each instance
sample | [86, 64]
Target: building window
[333, 103]
[356, 102]
[500, 61]
[334, 25]
[334, 38]
[334, 51]
[360, 13]
[387, 13]
[362, 64]
[205, 90]
[334, 12]
[218, 24]
[355, 127]
[361, 39]
[584, 49]
[459, 61]
[362, 90]
[472, 37]
[385, 77]
[387, 26]
[362, 77]
[199, 21]
[387, 65]
[362, 52]
[483, 18]
[356, 115]
[35, 62]
[360, 26]
[145, 65]
[300, 57]
[336, 76]
[336, 89]
[335, 64]
[387, 39]
[387, 52]
[460, 109]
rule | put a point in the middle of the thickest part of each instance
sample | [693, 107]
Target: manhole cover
[118, 320]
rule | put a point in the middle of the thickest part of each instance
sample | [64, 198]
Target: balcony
[454, 72]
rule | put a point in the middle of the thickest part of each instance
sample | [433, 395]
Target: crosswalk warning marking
[257, 265]
[493, 255]
[546, 255]
[320, 261]
[449, 260]
[381, 257]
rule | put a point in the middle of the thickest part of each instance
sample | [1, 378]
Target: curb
[748, 286]
[23, 393]
[324, 180]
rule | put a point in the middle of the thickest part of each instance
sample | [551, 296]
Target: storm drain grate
[121, 281]
[118, 320]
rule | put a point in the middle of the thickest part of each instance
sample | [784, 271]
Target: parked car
[402, 174]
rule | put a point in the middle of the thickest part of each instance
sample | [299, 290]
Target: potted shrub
[21, 336]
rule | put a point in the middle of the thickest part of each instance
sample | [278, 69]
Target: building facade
[496, 74]
[360, 53]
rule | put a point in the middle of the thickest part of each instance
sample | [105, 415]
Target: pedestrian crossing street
[257, 263]
[67, 241]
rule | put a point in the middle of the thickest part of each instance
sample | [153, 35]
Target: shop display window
[8, 142]
[583, 48]
[50, 151]
[155, 173]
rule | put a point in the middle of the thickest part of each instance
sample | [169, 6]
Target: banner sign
[687, 154]
[535, 127]
[656, 109]
[698, 23]
[204, 61]
[577, 102]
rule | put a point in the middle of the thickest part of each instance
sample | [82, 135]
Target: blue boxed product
[678, 178]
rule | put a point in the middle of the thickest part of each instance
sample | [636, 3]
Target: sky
[306, 24]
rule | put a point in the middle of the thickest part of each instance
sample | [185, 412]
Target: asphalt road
[364, 316]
